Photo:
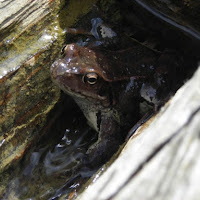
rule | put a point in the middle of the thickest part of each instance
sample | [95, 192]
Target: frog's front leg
[108, 142]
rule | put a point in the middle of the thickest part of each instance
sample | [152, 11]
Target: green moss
[73, 10]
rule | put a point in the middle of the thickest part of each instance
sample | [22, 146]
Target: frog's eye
[90, 78]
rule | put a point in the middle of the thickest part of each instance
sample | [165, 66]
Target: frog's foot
[101, 152]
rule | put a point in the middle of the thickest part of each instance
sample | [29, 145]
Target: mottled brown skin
[70, 71]
[106, 88]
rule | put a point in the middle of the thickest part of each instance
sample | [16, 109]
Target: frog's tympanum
[109, 87]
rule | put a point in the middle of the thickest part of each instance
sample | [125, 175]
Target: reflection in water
[54, 166]
[63, 155]
[167, 19]
[34, 160]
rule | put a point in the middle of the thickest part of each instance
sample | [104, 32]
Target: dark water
[54, 167]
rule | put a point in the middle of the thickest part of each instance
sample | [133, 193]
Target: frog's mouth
[81, 94]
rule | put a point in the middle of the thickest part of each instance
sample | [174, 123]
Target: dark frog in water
[110, 86]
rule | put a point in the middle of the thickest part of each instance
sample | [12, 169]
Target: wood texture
[28, 47]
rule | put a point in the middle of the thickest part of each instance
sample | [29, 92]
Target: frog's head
[79, 74]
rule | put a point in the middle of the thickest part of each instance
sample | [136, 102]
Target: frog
[109, 86]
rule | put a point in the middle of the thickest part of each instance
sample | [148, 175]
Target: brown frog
[107, 86]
